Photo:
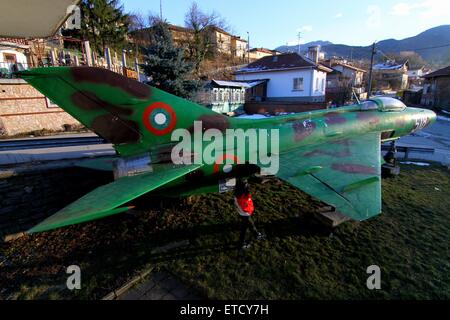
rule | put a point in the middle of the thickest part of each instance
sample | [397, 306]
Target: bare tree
[155, 19]
[201, 24]
[137, 22]
[141, 28]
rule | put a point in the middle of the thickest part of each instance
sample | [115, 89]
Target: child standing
[244, 204]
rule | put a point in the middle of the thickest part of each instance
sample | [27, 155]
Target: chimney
[313, 53]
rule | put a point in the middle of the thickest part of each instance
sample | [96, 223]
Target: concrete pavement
[437, 136]
[52, 154]
[16, 157]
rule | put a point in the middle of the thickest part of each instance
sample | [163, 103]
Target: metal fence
[8, 69]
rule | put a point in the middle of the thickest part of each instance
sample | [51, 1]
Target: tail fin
[131, 115]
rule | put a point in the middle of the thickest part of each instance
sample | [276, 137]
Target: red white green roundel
[159, 118]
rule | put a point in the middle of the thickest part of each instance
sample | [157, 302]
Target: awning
[238, 84]
[33, 19]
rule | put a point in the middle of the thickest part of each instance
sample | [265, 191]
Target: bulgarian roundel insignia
[159, 118]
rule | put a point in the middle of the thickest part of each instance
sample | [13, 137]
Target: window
[224, 95]
[237, 96]
[215, 95]
[323, 85]
[9, 58]
[298, 84]
[317, 84]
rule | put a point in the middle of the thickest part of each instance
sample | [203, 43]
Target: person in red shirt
[244, 204]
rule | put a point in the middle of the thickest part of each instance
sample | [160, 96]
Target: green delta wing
[105, 200]
[123, 111]
[343, 173]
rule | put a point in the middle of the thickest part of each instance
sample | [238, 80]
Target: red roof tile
[281, 62]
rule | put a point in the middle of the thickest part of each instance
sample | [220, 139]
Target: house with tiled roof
[221, 41]
[14, 56]
[258, 53]
[345, 82]
[436, 89]
[290, 77]
[391, 75]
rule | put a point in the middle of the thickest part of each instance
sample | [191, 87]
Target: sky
[271, 23]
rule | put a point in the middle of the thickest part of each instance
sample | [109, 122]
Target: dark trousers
[247, 222]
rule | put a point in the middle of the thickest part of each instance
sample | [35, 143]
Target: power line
[435, 47]
[418, 49]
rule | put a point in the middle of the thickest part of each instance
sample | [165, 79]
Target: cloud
[401, 9]
[374, 17]
[307, 28]
[435, 8]
[426, 9]
[338, 15]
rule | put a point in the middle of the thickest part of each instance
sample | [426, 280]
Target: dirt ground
[300, 259]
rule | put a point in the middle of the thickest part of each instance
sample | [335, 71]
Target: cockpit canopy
[384, 104]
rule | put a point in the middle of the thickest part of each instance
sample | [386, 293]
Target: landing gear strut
[390, 167]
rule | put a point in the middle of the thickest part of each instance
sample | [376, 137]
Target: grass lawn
[410, 242]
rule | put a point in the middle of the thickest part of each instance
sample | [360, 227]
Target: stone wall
[29, 198]
[24, 109]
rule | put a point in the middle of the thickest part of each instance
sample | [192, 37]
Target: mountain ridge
[433, 45]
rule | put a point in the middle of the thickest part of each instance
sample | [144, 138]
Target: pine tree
[166, 65]
[104, 24]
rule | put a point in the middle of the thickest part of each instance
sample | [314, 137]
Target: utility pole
[248, 47]
[369, 88]
[299, 38]
[160, 10]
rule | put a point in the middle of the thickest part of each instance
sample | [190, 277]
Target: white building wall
[241, 48]
[319, 83]
[223, 42]
[256, 55]
[281, 83]
[21, 58]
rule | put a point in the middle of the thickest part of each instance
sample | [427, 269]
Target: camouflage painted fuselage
[385, 116]
[332, 154]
